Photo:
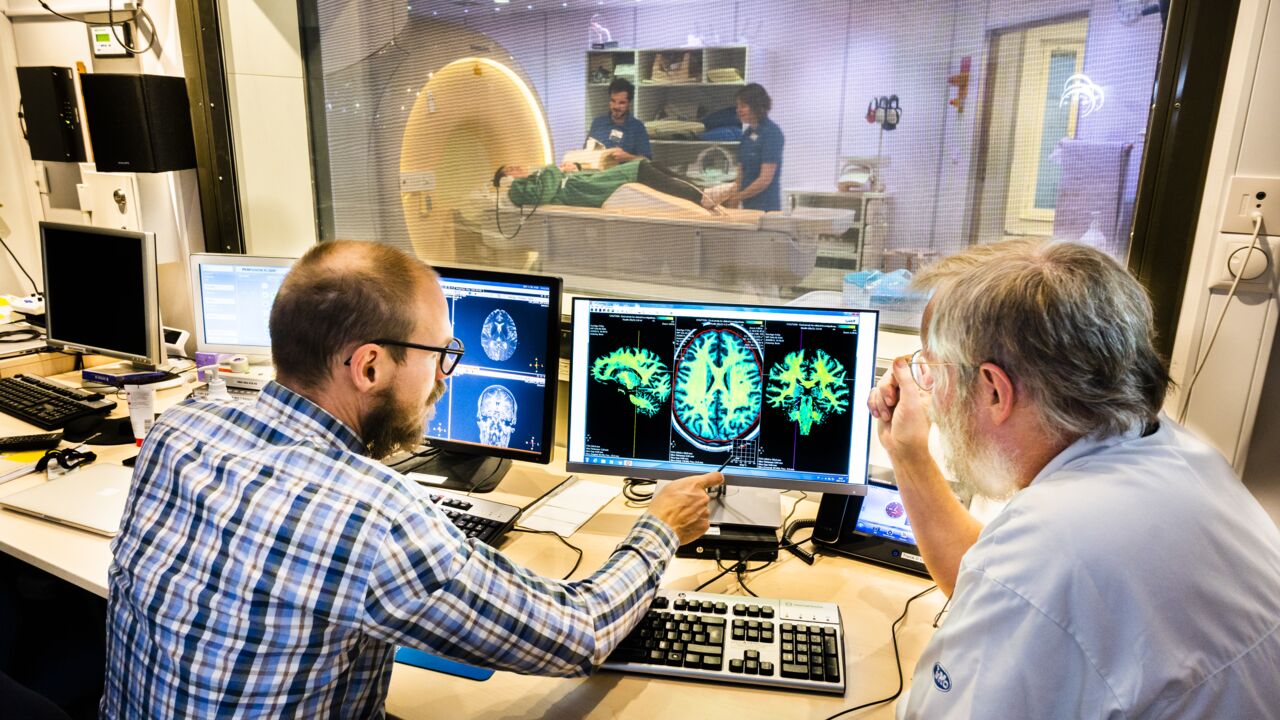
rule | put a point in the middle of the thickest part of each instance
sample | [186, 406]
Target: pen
[725, 464]
[717, 492]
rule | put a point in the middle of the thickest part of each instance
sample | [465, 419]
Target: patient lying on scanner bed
[567, 185]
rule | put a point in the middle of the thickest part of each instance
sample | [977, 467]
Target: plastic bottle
[1093, 237]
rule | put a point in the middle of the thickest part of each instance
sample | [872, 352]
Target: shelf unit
[688, 81]
[859, 245]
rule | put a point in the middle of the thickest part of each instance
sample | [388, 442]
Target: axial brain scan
[496, 415]
[717, 392]
[498, 336]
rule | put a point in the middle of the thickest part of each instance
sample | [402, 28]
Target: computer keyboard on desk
[484, 520]
[46, 404]
[793, 644]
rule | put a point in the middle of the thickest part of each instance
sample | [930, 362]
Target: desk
[870, 599]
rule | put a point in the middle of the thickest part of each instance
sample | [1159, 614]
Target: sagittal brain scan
[717, 390]
[810, 389]
[639, 374]
[496, 414]
[499, 336]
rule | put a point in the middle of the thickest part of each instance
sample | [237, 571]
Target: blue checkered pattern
[265, 568]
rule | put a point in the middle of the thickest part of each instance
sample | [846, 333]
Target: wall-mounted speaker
[138, 123]
[50, 113]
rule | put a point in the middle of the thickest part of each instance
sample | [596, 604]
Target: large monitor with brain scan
[499, 404]
[666, 389]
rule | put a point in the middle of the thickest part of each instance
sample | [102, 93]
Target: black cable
[497, 214]
[897, 657]
[111, 21]
[634, 496]
[566, 543]
[34, 288]
[27, 335]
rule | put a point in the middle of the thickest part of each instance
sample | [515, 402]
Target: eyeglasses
[921, 373]
[449, 354]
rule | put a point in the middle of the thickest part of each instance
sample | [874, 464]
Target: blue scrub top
[630, 135]
[762, 144]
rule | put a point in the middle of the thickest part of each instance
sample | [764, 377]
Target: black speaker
[50, 113]
[138, 123]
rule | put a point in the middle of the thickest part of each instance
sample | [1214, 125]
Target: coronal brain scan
[499, 336]
[638, 373]
[717, 387]
[496, 415]
[810, 389]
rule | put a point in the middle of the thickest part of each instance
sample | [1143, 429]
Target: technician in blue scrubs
[759, 154]
[620, 131]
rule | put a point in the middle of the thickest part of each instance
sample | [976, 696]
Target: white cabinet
[858, 239]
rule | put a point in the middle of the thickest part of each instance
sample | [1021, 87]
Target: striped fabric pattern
[266, 568]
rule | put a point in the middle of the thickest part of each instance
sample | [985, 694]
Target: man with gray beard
[1131, 574]
[267, 566]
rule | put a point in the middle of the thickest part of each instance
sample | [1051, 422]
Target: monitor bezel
[849, 488]
[155, 353]
[197, 300]
[551, 385]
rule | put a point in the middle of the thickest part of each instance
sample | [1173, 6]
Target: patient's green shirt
[586, 188]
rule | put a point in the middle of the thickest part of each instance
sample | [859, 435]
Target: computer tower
[138, 123]
[50, 113]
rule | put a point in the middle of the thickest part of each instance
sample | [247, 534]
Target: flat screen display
[882, 515]
[664, 389]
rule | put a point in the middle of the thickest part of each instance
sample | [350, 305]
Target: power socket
[1258, 270]
[1247, 194]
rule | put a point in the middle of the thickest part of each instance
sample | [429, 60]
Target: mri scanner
[476, 113]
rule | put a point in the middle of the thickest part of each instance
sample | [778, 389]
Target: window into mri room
[1013, 118]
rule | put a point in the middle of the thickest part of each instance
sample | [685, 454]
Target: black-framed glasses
[66, 458]
[449, 354]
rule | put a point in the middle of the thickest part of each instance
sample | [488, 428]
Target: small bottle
[217, 388]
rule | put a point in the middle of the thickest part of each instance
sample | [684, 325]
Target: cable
[497, 214]
[20, 335]
[741, 567]
[897, 656]
[111, 21]
[566, 543]
[634, 496]
[1253, 244]
[35, 290]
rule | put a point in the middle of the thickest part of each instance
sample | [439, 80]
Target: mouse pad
[427, 661]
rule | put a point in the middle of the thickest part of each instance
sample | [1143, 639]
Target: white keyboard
[795, 644]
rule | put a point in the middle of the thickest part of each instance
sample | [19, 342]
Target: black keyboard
[46, 404]
[793, 644]
[484, 520]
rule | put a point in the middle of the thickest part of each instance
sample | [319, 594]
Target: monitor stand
[461, 471]
[744, 522]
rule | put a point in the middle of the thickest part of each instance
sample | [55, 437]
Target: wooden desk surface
[870, 598]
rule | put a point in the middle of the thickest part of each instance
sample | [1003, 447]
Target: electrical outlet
[1258, 270]
[1246, 195]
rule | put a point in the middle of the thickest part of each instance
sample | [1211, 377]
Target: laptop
[90, 498]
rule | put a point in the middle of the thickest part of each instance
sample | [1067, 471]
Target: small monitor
[232, 297]
[500, 402]
[101, 294]
[882, 515]
[874, 528]
[665, 389]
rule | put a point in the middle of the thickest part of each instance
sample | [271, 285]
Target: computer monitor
[232, 297]
[874, 527]
[500, 402]
[101, 293]
[666, 389]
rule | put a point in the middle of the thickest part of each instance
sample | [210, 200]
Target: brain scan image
[638, 373]
[498, 335]
[810, 389]
[718, 387]
[496, 415]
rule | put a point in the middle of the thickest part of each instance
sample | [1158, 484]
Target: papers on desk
[568, 507]
[14, 465]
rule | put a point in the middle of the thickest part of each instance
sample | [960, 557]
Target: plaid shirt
[266, 568]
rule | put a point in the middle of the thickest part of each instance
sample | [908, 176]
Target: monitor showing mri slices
[498, 400]
[662, 389]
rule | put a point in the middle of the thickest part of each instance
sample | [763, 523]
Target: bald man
[268, 566]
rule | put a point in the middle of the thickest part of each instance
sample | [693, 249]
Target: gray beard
[977, 465]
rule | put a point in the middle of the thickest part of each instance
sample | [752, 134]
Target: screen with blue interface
[664, 388]
[235, 300]
[497, 397]
[883, 515]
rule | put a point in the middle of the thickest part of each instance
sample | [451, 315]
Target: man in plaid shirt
[267, 566]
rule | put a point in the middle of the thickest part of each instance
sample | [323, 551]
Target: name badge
[754, 137]
[615, 134]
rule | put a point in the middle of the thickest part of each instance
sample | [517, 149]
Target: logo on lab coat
[941, 679]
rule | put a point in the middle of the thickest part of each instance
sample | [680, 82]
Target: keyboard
[484, 520]
[795, 644]
[46, 404]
